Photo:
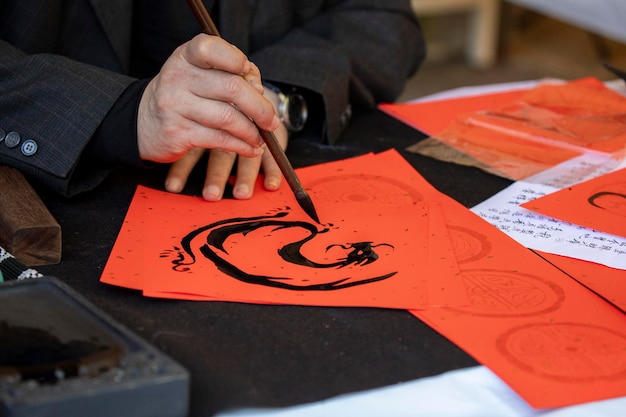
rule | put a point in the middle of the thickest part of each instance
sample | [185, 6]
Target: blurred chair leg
[482, 44]
[482, 39]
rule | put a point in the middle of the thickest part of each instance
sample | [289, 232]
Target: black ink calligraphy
[613, 202]
[355, 254]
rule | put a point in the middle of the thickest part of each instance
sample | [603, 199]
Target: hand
[220, 166]
[206, 96]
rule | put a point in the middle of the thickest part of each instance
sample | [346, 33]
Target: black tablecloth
[243, 355]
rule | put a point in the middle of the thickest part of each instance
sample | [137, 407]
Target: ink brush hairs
[11, 269]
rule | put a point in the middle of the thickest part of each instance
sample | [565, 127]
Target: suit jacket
[64, 63]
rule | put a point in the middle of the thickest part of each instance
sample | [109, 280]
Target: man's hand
[206, 96]
[219, 169]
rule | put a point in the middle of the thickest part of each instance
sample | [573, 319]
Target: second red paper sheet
[599, 203]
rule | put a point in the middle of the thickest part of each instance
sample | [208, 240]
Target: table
[242, 355]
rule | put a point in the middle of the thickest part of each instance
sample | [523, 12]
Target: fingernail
[242, 191]
[258, 87]
[275, 122]
[259, 151]
[173, 186]
[246, 67]
[271, 185]
[212, 193]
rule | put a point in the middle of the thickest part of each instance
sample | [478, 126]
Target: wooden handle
[27, 229]
[203, 17]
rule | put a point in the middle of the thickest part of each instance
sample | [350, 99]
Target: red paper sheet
[599, 203]
[529, 131]
[433, 117]
[608, 283]
[441, 270]
[552, 340]
[372, 248]
[549, 338]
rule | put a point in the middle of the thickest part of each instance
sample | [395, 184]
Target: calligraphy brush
[208, 27]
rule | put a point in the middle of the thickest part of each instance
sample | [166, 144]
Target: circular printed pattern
[468, 245]
[568, 352]
[363, 188]
[508, 294]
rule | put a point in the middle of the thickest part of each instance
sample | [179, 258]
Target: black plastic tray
[60, 355]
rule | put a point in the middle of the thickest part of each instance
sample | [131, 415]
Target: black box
[61, 356]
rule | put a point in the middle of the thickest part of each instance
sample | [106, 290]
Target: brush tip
[307, 205]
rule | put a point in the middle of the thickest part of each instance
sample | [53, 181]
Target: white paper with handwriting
[547, 234]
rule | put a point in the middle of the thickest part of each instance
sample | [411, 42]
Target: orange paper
[372, 248]
[433, 117]
[598, 203]
[609, 283]
[549, 338]
[440, 272]
[532, 131]
[512, 153]
[387, 239]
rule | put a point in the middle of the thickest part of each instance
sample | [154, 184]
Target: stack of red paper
[387, 239]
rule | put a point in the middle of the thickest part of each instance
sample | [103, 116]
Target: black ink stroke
[593, 200]
[360, 253]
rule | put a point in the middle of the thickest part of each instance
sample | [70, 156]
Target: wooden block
[27, 229]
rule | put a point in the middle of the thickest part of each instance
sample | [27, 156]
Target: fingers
[253, 77]
[206, 95]
[217, 124]
[247, 173]
[218, 170]
[212, 52]
[209, 52]
[227, 88]
[248, 170]
[171, 121]
[273, 176]
[179, 171]
[234, 79]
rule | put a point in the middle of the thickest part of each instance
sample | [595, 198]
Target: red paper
[372, 248]
[598, 203]
[433, 117]
[440, 272]
[609, 283]
[550, 339]
[523, 133]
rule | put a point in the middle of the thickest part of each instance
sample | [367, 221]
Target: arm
[59, 104]
[65, 106]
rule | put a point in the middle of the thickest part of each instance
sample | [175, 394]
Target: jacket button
[29, 147]
[12, 139]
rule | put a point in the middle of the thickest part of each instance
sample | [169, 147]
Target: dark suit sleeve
[58, 104]
[353, 53]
